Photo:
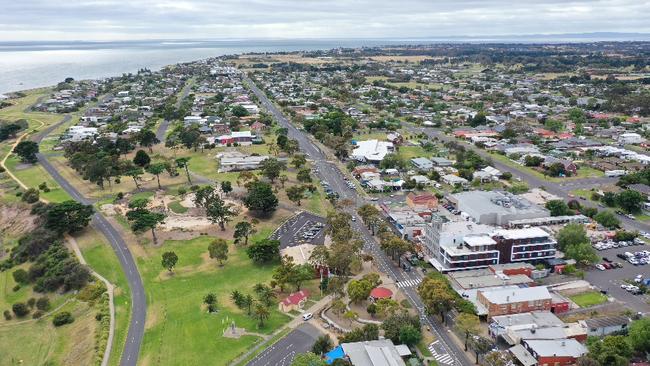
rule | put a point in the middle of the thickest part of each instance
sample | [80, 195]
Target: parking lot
[303, 228]
[610, 280]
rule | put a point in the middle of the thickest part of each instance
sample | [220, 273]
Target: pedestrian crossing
[409, 283]
[443, 358]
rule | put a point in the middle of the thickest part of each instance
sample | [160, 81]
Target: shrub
[42, 186]
[37, 314]
[182, 191]
[119, 196]
[46, 189]
[16, 288]
[118, 181]
[43, 303]
[7, 315]
[31, 195]
[31, 302]
[21, 276]
[20, 309]
[62, 318]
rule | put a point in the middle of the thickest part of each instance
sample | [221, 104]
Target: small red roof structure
[381, 293]
[296, 297]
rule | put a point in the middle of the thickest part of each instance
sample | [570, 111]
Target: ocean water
[27, 65]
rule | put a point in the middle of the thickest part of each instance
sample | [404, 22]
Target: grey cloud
[110, 19]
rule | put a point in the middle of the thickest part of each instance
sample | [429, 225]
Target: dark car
[622, 256]
[607, 260]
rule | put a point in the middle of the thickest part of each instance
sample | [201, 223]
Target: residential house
[454, 180]
[229, 162]
[547, 352]
[375, 353]
[422, 164]
[600, 327]
[294, 301]
[421, 202]
[568, 165]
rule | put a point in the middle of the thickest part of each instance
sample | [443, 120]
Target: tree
[226, 187]
[262, 313]
[147, 138]
[558, 208]
[611, 350]
[396, 322]
[370, 216]
[261, 198]
[304, 176]
[409, 335]
[322, 345]
[308, 359]
[169, 260]
[184, 163]
[639, 335]
[498, 358]
[533, 160]
[298, 161]
[20, 276]
[350, 316]
[265, 294]
[582, 253]
[359, 290]
[238, 111]
[216, 209]
[467, 324]
[609, 199]
[31, 195]
[283, 179]
[480, 345]
[573, 241]
[156, 169]
[20, 309]
[386, 307]
[301, 273]
[218, 250]
[608, 219]
[27, 151]
[142, 219]
[67, 217]
[630, 201]
[391, 161]
[135, 173]
[295, 193]
[437, 296]
[264, 251]
[210, 300]
[141, 159]
[243, 229]
[271, 168]
[43, 303]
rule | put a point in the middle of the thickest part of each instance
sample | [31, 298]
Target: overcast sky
[219, 19]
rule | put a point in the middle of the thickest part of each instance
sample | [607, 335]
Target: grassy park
[178, 330]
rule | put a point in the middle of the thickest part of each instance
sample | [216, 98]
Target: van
[307, 316]
[629, 255]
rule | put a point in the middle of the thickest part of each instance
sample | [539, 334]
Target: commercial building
[371, 151]
[510, 301]
[229, 162]
[375, 353]
[462, 245]
[495, 207]
[557, 352]
[600, 327]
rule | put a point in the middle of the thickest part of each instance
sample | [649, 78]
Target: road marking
[409, 283]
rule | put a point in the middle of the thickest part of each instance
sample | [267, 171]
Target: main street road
[282, 353]
[561, 190]
[99, 222]
[448, 351]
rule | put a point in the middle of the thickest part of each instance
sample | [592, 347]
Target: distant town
[446, 204]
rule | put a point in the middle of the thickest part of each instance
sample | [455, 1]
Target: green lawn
[588, 299]
[410, 152]
[34, 175]
[101, 257]
[176, 207]
[179, 331]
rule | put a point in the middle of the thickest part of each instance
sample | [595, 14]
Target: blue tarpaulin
[334, 354]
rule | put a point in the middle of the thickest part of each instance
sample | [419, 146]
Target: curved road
[99, 222]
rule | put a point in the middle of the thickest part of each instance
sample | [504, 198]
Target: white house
[452, 180]
[372, 151]
[630, 138]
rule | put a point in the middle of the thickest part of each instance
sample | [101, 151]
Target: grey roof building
[373, 353]
[422, 164]
[495, 207]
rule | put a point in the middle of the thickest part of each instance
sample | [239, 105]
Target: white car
[600, 267]
[307, 316]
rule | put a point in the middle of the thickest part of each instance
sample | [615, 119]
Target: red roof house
[294, 301]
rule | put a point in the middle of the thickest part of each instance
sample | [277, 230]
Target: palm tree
[261, 313]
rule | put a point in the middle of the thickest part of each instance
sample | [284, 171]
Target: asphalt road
[138, 298]
[162, 130]
[300, 340]
[445, 348]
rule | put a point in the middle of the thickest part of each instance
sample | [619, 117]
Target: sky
[22, 20]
